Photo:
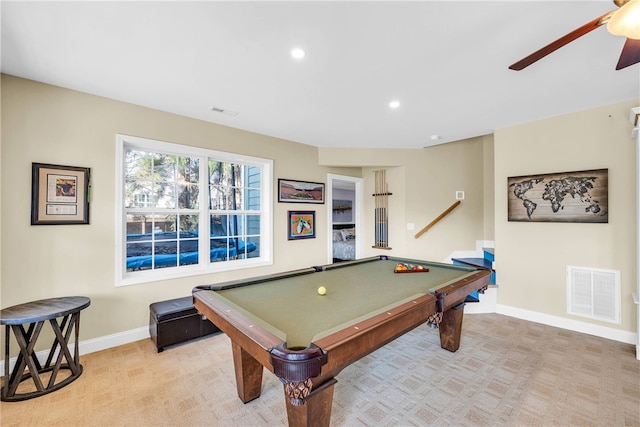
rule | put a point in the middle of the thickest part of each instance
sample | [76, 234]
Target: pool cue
[380, 190]
[377, 200]
[378, 219]
[385, 204]
[381, 205]
[386, 211]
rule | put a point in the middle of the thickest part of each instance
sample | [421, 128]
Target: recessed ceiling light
[297, 53]
[394, 104]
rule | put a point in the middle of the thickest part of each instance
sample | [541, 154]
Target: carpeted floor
[507, 372]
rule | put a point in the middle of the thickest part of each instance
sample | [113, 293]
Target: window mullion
[146, 172]
[204, 241]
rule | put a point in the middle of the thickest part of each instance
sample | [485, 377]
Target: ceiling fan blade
[630, 54]
[552, 47]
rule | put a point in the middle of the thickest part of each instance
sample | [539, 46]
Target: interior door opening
[345, 217]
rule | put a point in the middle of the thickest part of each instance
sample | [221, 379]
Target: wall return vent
[593, 293]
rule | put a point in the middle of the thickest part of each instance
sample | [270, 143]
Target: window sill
[138, 277]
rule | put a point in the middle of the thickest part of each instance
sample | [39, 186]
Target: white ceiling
[445, 61]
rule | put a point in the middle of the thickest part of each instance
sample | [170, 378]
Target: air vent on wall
[594, 293]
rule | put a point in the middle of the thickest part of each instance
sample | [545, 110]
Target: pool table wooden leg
[451, 328]
[316, 412]
[248, 374]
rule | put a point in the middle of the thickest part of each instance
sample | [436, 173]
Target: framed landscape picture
[581, 196]
[293, 191]
[342, 210]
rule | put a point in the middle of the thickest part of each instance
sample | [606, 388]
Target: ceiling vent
[223, 111]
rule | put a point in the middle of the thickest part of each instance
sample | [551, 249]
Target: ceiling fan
[624, 21]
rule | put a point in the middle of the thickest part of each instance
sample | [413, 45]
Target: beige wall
[488, 184]
[531, 258]
[43, 123]
[423, 184]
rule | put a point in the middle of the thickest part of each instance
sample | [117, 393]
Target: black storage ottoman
[176, 321]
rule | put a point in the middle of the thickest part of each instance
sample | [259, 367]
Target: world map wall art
[559, 197]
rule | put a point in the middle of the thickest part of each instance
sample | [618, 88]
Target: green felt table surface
[292, 309]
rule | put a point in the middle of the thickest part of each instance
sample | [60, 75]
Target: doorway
[344, 217]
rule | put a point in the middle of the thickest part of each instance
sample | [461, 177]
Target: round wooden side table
[26, 321]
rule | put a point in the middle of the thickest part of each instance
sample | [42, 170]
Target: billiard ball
[322, 290]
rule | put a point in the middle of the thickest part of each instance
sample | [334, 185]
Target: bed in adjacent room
[344, 242]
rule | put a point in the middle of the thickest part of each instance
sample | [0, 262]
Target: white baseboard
[569, 324]
[92, 345]
[489, 306]
[477, 253]
[482, 244]
[487, 303]
[114, 340]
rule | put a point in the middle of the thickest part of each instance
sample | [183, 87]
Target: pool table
[282, 323]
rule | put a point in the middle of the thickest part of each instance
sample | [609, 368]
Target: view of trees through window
[168, 197]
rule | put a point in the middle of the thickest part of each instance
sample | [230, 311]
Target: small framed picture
[302, 225]
[292, 191]
[59, 194]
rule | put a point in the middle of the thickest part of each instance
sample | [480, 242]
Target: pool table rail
[240, 330]
[454, 293]
[451, 305]
[256, 280]
[308, 374]
[347, 346]
[356, 341]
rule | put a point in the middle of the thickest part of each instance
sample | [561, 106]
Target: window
[177, 203]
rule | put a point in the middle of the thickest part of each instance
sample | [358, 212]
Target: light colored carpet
[507, 372]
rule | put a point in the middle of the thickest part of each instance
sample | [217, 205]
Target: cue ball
[322, 290]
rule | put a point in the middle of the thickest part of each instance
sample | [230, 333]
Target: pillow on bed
[348, 234]
[337, 236]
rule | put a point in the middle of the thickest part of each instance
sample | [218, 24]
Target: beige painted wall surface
[42, 123]
[531, 258]
[488, 187]
[423, 184]
[433, 178]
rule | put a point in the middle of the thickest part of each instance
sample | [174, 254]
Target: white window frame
[205, 266]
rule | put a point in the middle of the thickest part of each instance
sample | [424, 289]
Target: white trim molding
[635, 134]
[614, 334]
[93, 345]
[126, 337]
